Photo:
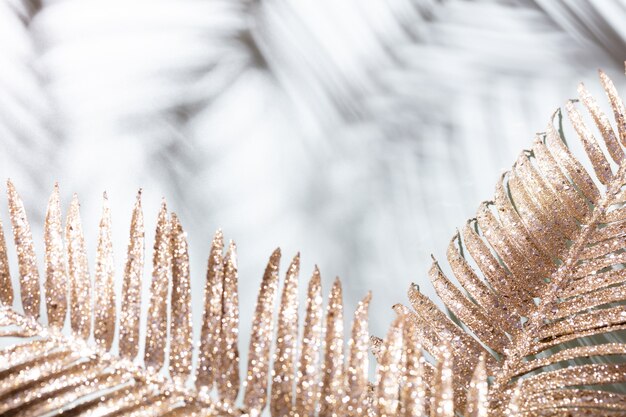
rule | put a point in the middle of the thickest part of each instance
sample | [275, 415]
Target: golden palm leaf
[550, 247]
[522, 338]
[52, 369]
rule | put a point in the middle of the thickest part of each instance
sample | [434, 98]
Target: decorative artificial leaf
[531, 331]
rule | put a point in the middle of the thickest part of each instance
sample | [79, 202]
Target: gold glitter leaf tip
[477, 397]
[413, 393]
[6, 287]
[390, 371]
[104, 293]
[442, 403]
[307, 378]
[55, 262]
[156, 327]
[181, 341]
[549, 251]
[78, 265]
[131, 285]
[333, 376]
[27, 262]
[535, 298]
[286, 341]
[228, 385]
[209, 367]
[358, 364]
[257, 377]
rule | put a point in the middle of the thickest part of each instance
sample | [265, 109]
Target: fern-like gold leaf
[541, 273]
[50, 367]
[532, 329]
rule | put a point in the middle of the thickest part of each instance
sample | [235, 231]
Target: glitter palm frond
[541, 274]
[77, 368]
[550, 249]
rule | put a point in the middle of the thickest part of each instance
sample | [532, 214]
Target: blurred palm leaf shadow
[357, 131]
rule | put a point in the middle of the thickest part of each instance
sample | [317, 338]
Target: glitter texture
[6, 287]
[540, 267]
[600, 119]
[27, 262]
[333, 376]
[228, 385]
[307, 377]
[156, 327]
[442, 403]
[78, 265]
[257, 377]
[286, 340]
[414, 387]
[477, 396]
[358, 363]
[181, 337]
[389, 373]
[104, 293]
[211, 320]
[56, 263]
[131, 287]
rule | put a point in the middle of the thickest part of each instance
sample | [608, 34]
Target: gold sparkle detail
[257, 376]
[131, 286]
[56, 263]
[357, 380]
[181, 336]
[104, 292]
[540, 267]
[307, 377]
[156, 326]
[27, 262]
[286, 342]
[228, 378]
[78, 266]
[211, 321]
[333, 375]
[6, 286]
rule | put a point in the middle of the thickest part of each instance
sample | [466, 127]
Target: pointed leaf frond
[78, 266]
[56, 263]
[307, 377]
[257, 377]
[181, 338]
[536, 298]
[211, 321]
[156, 325]
[27, 262]
[228, 384]
[550, 256]
[104, 293]
[358, 363]
[286, 339]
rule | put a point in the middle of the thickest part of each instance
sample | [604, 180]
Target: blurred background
[359, 132]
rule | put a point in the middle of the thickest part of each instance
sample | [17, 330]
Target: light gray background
[360, 132]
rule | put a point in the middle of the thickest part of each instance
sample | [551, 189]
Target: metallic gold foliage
[56, 263]
[211, 322]
[131, 286]
[538, 274]
[156, 325]
[80, 281]
[181, 342]
[29, 274]
[104, 293]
